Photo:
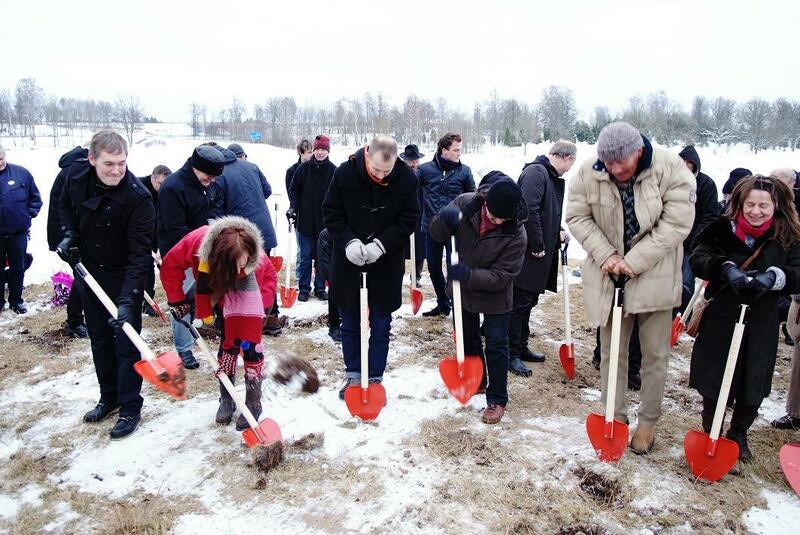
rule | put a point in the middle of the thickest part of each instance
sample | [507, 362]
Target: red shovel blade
[265, 434]
[463, 381]
[165, 372]
[288, 296]
[677, 328]
[567, 355]
[790, 464]
[416, 300]
[609, 440]
[277, 261]
[708, 460]
[365, 404]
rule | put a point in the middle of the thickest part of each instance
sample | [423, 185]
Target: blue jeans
[183, 336]
[433, 250]
[496, 356]
[380, 324]
[308, 252]
[12, 250]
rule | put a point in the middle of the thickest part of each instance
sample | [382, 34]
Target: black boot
[226, 405]
[707, 414]
[517, 367]
[101, 411]
[787, 339]
[743, 417]
[745, 455]
[253, 402]
[126, 425]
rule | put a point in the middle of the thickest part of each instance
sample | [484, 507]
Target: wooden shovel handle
[457, 319]
[727, 376]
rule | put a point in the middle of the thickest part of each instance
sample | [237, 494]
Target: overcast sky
[170, 53]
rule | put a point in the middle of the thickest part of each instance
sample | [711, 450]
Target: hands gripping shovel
[261, 433]
[608, 436]
[164, 371]
[365, 400]
[711, 456]
[567, 350]
[288, 294]
[462, 375]
[415, 293]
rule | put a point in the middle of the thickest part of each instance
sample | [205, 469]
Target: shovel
[155, 307]
[567, 350]
[261, 433]
[288, 294]
[366, 400]
[609, 436]
[416, 293]
[679, 323]
[164, 371]
[277, 261]
[711, 456]
[790, 464]
[461, 375]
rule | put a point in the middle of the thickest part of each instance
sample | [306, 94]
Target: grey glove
[356, 253]
[374, 250]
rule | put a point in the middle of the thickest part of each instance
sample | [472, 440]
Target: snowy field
[428, 465]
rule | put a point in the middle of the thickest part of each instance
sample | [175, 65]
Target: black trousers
[113, 354]
[495, 358]
[334, 321]
[519, 322]
[75, 302]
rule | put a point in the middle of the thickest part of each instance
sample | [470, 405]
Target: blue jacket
[245, 189]
[441, 187]
[19, 200]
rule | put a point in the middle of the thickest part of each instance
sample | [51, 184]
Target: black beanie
[503, 198]
[207, 159]
[735, 176]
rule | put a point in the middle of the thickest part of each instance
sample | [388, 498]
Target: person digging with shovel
[233, 273]
[491, 242]
[631, 210]
[760, 224]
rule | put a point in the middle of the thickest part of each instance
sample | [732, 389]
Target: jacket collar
[118, 194]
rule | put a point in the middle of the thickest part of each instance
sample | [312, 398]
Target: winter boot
[707, 414]
[745, 455]
[741, 420]
[226, 405]
[253, 402]
[517, 367]
[644, 438]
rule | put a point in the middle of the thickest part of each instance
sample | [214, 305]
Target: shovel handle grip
[413, 255]
[457, 319]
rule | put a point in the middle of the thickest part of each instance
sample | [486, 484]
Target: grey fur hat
[617, 141]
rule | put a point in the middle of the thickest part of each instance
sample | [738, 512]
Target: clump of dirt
[308, 442]
[265, 458]
[52, 340]
[598, 487]
[581, 530]
[290, 368]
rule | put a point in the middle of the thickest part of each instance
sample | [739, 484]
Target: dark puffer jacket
[20, 201]
[495, 259]
[309, 186]
[55, 232]
[706, 207]
[441, 186]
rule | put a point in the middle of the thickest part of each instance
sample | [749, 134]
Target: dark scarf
[445, 164]
[630, 223]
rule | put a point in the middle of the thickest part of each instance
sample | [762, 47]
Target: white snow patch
[591, 394]
[781, 517]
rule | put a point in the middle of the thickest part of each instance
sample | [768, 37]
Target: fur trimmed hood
[218, 225]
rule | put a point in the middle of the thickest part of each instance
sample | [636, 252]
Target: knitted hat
[237, 150]
[735, 176]
[208, 160]
[503, 198]
[490, 177]
[322, 142]
[617, 141]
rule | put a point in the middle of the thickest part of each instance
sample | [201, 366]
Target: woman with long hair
[760, 224]
[234, 275]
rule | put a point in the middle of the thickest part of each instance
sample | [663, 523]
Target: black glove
[67, 249]
[762, 283]
[450, 215]
[182, 308]
[124, 315]
[291, 216]
[460, 272]
[735, 277]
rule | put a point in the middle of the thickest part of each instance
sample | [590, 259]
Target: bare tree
[493, 117]
[6, 110]
[700, 119]
[722, 127]
[196, 118]
[236, 115]
[128, 112]
[558, 113]
[52, 116]
[783, 130]
[29, 105]
[755, 117]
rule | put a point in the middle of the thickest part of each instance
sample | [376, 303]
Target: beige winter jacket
[664, 196]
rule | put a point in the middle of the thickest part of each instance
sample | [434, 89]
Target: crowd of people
[642, 213]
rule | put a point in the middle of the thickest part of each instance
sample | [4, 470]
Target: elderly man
[631, 210]
[20, 202]
[543, 191]
[370, 210]
[412, 156]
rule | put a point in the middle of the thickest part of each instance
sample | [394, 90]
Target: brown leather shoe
[644, 438]
[272, 326]
[493, 414]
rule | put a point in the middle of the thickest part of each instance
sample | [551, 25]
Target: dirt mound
[265, 458]
[598, 487]
[290, 369]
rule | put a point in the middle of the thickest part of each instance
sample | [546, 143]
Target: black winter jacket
[441, 186]
[325, 253]
[148, 183]
[706, 207]
[309, 186]
[356, 208]
[290, 174]
[113, 226]
[55, 232]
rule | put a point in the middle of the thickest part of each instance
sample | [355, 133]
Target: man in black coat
[304, 153]
[412, 156]
[309, 186]
[153, 183]
[370, 210]
[186, 201]
[543, 191]
[108, 219]
[75, 328]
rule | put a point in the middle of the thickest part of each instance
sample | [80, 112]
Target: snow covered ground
[426, 466]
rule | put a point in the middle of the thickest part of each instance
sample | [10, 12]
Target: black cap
[237, 150]
[503, 198]
[735, 176]
[208, 160]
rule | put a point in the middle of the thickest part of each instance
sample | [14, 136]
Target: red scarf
[486, 225]
[743, 228]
